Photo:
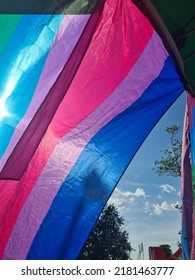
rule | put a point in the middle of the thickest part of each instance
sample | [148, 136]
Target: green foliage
[108, 241]
[179, 207]
[167, 250]
[170, 162]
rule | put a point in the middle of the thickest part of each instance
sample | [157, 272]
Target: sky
[145, 200]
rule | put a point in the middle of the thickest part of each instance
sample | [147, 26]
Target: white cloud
[127, 183]
[179, 193]
[163, 207]
[135, 183]
[167, 188]
[147, 208]
[139, 192]
[119, 198]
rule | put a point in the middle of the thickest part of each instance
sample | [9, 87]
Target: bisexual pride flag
[82, 85]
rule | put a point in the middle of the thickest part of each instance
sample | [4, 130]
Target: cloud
[136, 184]
[179, 193]
[128, 183]
[147, 208]
[119, 198]
[139, 192]
[167, 188]
[163, 207]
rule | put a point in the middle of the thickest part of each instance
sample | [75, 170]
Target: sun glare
[3, 111]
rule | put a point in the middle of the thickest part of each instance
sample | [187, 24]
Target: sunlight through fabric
[83, 89]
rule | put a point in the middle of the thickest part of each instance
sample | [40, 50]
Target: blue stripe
[84, 193]
[22, 62]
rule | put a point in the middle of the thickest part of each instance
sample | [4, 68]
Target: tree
[170, 162]
[167, 250]
[108, 240]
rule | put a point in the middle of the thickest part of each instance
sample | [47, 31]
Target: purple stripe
[191, 108]
[72, 144]
[67, 36]
[38, 126]
[188, 217]
[186, 181]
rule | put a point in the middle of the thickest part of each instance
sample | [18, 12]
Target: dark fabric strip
[47, 6]
[38, 126]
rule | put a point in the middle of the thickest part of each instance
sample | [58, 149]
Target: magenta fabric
[67, 36]
[73, 143]
[46, 111]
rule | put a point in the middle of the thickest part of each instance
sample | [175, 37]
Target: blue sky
[147, 201]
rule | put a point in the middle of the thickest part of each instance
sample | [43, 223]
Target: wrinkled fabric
[123, 79]
[13, 126]
[188, 182]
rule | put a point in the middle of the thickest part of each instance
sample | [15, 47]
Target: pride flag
[188, 181]
[80, 93]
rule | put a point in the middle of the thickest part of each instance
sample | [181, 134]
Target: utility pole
[140, 252]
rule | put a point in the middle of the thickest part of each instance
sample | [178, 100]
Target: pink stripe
[41, 155]
[72, 144]
[116, 45]
[67, 36]
[191, 106]
[119, 25]
[8, 191]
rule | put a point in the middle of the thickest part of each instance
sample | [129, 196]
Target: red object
[176, 255]
[156, 253]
